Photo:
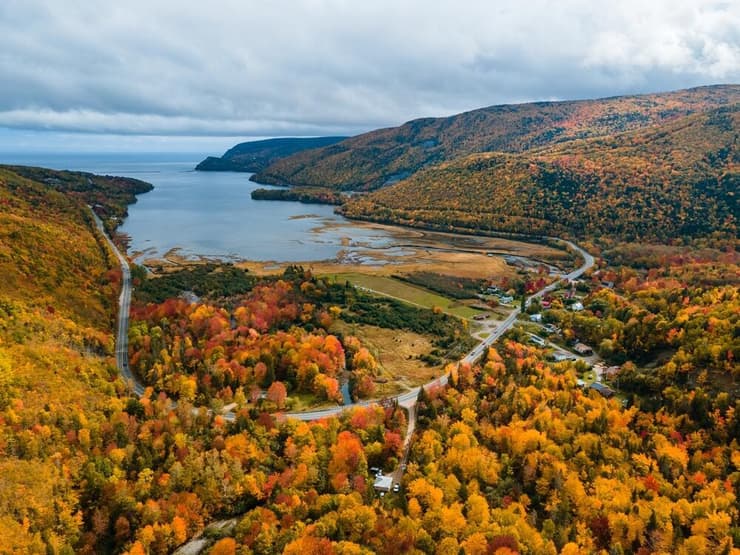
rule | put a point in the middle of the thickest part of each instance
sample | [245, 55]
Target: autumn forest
[601, 415]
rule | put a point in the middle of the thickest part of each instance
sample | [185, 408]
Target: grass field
[406, 292]
[396, 351]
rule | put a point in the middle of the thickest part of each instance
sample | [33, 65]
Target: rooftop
[383, 483]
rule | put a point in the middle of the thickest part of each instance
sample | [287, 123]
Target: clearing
[397, 352]
[406, 292]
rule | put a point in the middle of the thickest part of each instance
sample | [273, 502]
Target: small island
[307, 195]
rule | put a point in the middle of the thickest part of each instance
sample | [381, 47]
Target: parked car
[396, 488]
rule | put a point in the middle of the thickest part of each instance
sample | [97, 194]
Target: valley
[526, 343]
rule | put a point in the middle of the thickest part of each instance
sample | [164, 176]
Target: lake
[211, 214]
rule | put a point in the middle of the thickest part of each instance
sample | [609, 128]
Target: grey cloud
[310, 67]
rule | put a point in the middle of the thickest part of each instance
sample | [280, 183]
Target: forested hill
[110, 195]
[57, 381]
[255, 156]
[380, 157]
[676, 180]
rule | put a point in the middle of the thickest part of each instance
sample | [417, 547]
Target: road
[124, 304]
[404, 399]
[588, 262]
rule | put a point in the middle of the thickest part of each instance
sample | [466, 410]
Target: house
[551, 328]
[545, 304]
[611, 372]
[604, 390]
[576, 306]
[536, 340]
[583, 349]
[383, 483]
[506, 299]
[535, 318]
[560, 357]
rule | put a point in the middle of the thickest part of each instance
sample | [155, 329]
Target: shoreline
[413, 249]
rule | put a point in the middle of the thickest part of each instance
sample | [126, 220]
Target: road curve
[138, 388]
[124, 304]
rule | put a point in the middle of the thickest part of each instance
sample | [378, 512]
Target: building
[535, 318]
[576, 306]
[537, 340]
[506, 299]
[583, 349]
[604, 390]
[383, 483]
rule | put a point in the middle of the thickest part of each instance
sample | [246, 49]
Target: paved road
[124, 304]
[588, 262]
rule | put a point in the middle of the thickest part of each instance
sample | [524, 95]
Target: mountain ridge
[655, 184]
[381, 157]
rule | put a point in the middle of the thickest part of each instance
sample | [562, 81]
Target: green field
[406, 292]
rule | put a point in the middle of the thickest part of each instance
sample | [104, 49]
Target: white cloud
[338, 66]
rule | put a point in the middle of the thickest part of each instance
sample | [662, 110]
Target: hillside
[110, 195]
[49, 252]
[255, 156]
[380, 157]
[675, 180]
[57, 296]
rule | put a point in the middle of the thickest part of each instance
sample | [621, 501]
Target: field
[397, 353]
[406, 292]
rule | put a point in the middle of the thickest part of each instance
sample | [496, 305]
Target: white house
[383, 483]
[576, 306]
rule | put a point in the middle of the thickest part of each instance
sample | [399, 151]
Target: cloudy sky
[185, 75]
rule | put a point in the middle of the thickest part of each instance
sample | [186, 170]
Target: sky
[165, 75]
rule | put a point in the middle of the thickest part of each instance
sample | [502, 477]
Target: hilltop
[255, 156]
[653, 185]
[384, 156]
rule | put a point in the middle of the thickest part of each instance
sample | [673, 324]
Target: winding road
[407, 400]
[124, 304]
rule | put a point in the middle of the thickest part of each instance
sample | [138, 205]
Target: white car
[396, 488]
